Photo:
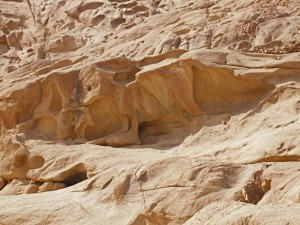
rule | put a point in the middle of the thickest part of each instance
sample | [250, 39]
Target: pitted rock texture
[120, 102]
[149, 112]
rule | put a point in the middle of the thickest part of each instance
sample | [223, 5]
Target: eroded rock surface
[149, 112]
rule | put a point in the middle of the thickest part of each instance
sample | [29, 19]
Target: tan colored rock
[149, 112]
[31, 189]
[16, 187]
[2, 183]
[47, 186]
[51, 186]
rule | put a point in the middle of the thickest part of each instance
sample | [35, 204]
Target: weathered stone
[149, 112]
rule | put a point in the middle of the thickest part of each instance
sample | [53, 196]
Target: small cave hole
[89, 88]
[75, 178]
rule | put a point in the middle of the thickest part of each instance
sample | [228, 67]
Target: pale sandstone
[149, 112]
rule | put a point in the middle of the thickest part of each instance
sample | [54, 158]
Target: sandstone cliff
[149, 112]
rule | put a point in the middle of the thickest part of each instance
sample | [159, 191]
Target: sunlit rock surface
[149, 112]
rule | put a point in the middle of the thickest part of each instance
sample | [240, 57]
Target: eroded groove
[274, 159]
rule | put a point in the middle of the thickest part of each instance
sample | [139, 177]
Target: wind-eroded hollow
[120, 102]
[73, 175]
[219, 91]
[75, 178]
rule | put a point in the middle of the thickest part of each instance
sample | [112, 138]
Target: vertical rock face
[111, 106]
[149, 112]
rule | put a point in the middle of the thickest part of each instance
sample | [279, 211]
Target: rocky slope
[149, 112]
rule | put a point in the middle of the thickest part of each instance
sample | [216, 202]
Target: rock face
[149, 112]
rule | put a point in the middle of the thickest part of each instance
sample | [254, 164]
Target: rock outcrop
[149, 112]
